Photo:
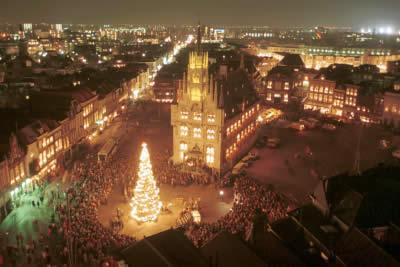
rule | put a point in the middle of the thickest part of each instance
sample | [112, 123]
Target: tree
[146, 204]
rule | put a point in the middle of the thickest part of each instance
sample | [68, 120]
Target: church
[215, 118]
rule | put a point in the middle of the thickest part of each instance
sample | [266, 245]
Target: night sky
[357, 13]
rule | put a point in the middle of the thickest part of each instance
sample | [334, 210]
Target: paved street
[333, 152]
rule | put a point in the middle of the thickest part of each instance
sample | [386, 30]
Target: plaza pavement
[333, 152]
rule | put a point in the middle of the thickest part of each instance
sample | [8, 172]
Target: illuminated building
[12, 171]
[343, 100]
[27, 27]
[59, 27]
[165, 90]
[214, 120]
[279, 85]
[284, 83]
[317, 57]
[167, 83]
[391, 111]
[320, 95]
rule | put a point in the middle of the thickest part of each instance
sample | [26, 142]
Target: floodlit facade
[215, 118]
[317, 57]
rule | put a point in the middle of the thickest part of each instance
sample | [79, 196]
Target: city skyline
[284, 13]
[199, 133]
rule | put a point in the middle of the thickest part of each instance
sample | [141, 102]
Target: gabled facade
[215, 118]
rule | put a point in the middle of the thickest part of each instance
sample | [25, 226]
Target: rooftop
[227, 250]
[168, 248]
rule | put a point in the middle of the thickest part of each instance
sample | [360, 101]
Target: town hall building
[215, 118]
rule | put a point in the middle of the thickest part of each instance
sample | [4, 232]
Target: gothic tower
[196, 118]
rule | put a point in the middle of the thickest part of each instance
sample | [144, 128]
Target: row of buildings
[317, 57]
[340, 90]
[44, 131]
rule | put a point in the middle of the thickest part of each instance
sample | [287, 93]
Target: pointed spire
[198, 37]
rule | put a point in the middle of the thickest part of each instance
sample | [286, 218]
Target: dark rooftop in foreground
[168, 248]
[227, 250]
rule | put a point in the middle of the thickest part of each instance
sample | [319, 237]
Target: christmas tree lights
[146, 204]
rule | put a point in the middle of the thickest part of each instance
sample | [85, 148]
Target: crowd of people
[86, 240]
[250, 198]
[78, 216]
[167, 173]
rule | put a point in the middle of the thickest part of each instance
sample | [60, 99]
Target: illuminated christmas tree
[146, 204]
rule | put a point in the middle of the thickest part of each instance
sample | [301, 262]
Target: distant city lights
[383, 30]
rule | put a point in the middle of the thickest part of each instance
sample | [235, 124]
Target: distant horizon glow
[284, 13]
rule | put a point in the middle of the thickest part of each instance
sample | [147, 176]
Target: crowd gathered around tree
[250, 198]
[85, 240]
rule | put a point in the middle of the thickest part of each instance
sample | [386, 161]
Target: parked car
[273, 142]
[396, 154]
[297, 126]
[253, 155]
[306, 123]
[328, 126]
[309, 123]
[384, 144]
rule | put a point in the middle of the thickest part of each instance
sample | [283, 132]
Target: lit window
[286, 98]
[210, 151]
[210, 134]
[184, 131]
[184, 115]
[196, 132]
[182, 149]
[286, 86]
[197, 116]
[227, 153]
[269, 84]
[210, 118]
[85, 123]
[269, 96]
